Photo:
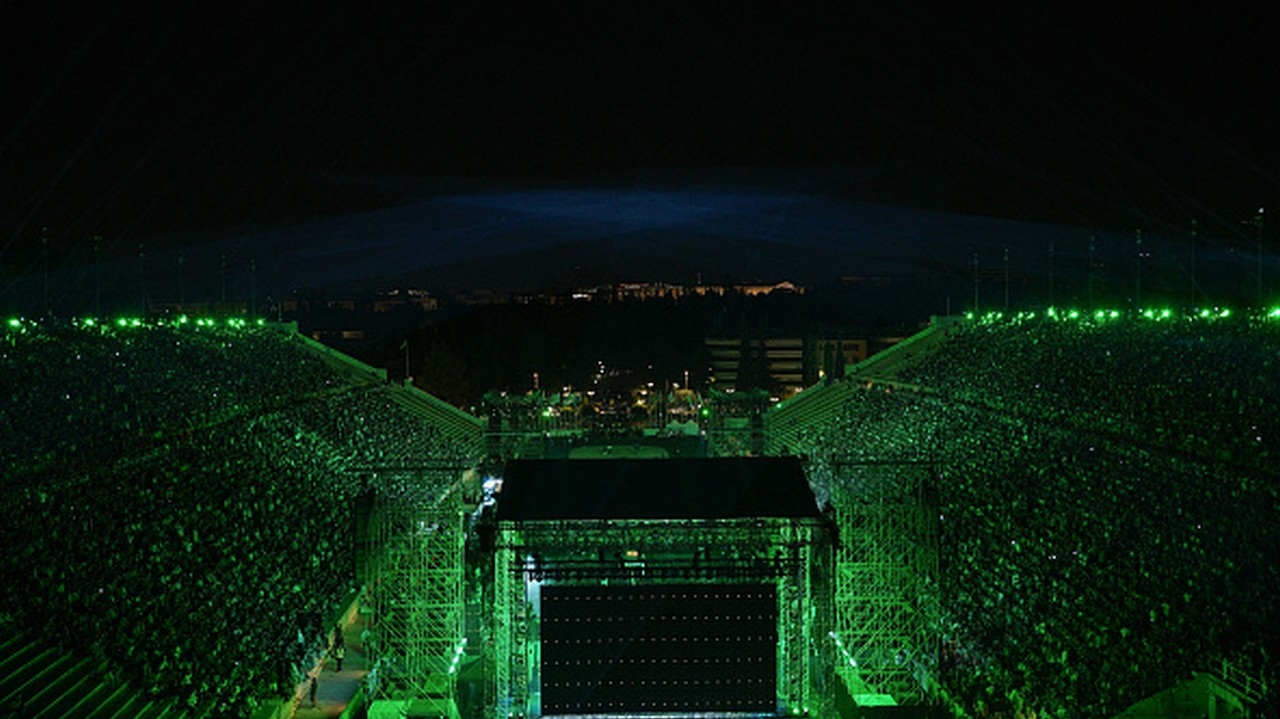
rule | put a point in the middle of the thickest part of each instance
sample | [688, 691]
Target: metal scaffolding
[416, 584]
[790, 554]
[886, 568]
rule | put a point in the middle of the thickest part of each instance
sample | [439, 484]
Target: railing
[1251, 688]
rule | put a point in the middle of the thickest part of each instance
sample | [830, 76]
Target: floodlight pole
[1052, 260]
[142, 277]
[1257, 224]
[1093, 245]
[1194, 250]
[44, 252]
[1006, 278]
[1138, 287]
[975, 283]
[97, 275]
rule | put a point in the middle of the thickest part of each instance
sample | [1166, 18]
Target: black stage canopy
[655, 489]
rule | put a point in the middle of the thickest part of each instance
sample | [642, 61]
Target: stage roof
[655, 489]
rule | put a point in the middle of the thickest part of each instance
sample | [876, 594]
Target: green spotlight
[15, 323]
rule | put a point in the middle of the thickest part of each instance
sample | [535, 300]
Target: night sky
[165, 123]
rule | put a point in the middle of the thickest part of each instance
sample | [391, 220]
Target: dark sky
[140, 120]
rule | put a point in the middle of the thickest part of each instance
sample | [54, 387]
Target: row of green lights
[19, 323]
[1111, 314]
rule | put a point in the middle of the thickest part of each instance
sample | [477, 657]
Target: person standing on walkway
[339, 652]
[314, 686]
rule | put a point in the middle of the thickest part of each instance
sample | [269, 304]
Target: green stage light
[15, 323]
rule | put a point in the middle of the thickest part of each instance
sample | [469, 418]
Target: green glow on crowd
[1099, 316]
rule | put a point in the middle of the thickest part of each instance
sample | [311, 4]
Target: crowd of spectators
[1091, 554]
[181, 500]
[1202, 385]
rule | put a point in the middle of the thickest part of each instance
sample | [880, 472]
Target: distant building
[784, 287]
[786, 365]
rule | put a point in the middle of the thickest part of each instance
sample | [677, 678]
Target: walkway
[335, 689]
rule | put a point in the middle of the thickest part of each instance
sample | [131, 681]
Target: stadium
[1057, 513]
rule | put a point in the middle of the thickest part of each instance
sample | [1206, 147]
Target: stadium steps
[135, 705]
[813, 407]
[36, 673]
[106, 704]
[62, 675]
[886, 365]
[20, 658]
[152, 709]
[453, 423]
[73, 689]
[57, 684]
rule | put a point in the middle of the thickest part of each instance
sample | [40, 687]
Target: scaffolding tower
[416, 586]
[886, 569]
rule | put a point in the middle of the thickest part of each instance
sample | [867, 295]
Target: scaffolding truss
[790, 554]
[416, 585]
[886, 568]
